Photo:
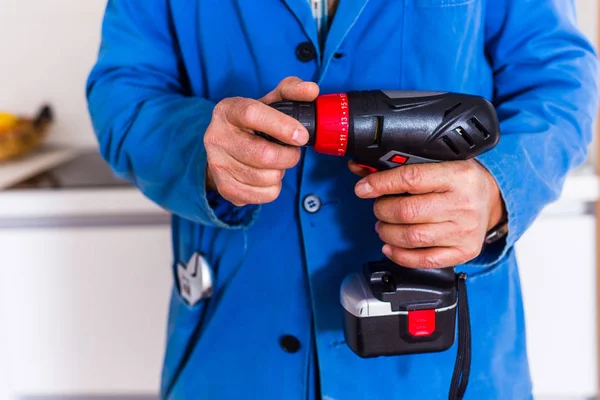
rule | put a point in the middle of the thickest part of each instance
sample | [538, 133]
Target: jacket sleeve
[546, 96]
[149, 126]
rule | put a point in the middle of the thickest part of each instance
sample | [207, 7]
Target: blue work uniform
[164, 64]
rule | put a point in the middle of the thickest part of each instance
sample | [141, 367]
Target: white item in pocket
[195, 279]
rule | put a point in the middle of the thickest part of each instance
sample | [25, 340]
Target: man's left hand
[444, 221]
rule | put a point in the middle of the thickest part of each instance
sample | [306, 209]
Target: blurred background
[84, 258]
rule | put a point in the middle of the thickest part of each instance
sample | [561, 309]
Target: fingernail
[300, 137]
[363, 188]
[377, 227]
[387, 250]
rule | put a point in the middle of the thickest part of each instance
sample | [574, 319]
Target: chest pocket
[440, 3]
[443, 46]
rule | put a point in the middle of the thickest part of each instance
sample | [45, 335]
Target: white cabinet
[83, 306]
[557, 259]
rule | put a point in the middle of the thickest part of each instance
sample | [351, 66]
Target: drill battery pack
[392, 310]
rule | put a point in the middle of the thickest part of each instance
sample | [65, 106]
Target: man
[173, 102]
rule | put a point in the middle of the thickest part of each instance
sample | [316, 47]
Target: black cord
[462, 368]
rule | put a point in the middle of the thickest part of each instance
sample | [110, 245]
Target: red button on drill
[421, 322]
[371, 169]
[398, 159]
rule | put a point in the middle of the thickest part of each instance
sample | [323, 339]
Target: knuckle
[468, 203]
[291, 79]
[224, 108]
[379, 210]
[280, 174]
[469, 173]
[207, 140]
[408, 211]
[250, 112]
[470, 252]
[229, 193]
[272, 194]
[268, 154]
[411, 175]
[417, 237]
[270, 177]
[430, 262]
[472, 228]
[220, 109]
[293, 157]
[217, 168]
[465, 229]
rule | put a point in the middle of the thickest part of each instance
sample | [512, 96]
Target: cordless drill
[390, 309]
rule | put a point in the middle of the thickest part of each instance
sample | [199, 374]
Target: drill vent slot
[480, 127]
[461, 132]
[449, 111]
[378, 131]
[450, 145]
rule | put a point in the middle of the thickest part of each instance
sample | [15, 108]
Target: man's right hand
[243, 167]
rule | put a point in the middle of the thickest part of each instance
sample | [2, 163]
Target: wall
[47, 49]
[587, 16]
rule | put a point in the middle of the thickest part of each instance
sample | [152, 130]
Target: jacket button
[305, 51]
[289, 343]
[311, 204]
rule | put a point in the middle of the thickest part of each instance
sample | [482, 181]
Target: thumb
[292, 88]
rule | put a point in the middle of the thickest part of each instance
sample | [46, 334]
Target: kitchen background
[84, 259]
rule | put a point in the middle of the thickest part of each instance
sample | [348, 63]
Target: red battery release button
[421, 322]
[398, 159]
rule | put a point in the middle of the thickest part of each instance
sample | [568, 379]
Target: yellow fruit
[7, 122]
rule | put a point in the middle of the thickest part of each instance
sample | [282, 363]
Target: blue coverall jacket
[162, 66]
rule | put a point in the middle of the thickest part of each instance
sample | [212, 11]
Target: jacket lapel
[348, 12]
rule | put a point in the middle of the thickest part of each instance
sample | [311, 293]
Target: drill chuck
[303, 111]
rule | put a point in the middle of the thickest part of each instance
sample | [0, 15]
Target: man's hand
[245, 168]
[443, 222]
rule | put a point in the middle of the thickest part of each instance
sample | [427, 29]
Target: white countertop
[41, 159]
[39, 203]
[581, 188]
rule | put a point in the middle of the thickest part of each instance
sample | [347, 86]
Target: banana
[19, 135]
[7, 122]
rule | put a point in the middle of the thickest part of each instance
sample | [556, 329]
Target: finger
[413, 179]
[419, 236]
[252, 115]
[257, 152]
[357, 170]
[240, 195]
[415, 209]
[434, 257]
[253, 176]
[292, 88]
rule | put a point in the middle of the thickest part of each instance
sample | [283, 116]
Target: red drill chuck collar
[332, 124]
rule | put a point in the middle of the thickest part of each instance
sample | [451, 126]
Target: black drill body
[422, 126]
